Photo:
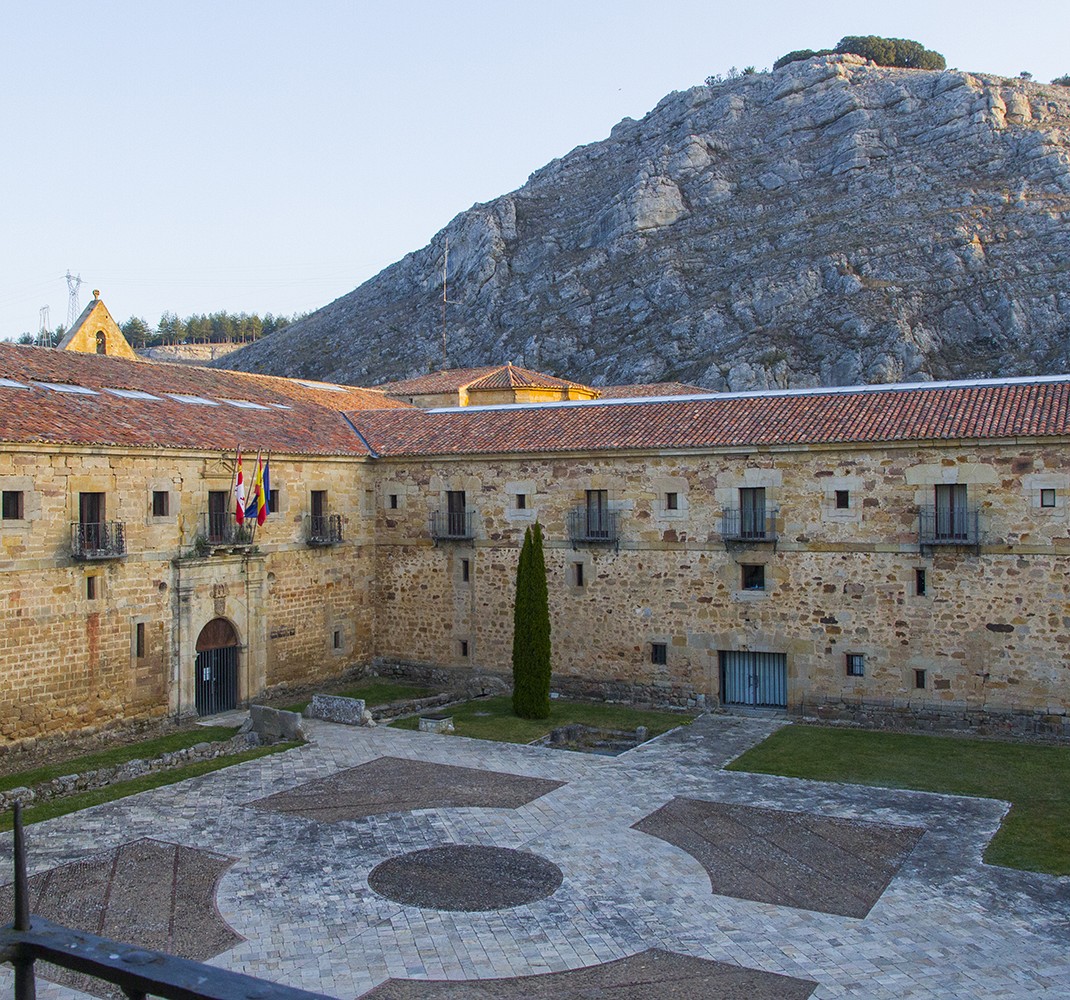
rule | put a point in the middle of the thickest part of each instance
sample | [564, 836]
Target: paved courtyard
[399, 864]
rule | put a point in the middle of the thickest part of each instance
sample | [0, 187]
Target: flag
[239, 495]
[265, 489]
[257, 505]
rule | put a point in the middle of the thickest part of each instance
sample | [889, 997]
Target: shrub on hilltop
[901, 52]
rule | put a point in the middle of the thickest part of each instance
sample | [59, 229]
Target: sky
[271, 156]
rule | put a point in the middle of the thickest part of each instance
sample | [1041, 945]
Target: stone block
[436, 723]
[275, 724]
[333, 708]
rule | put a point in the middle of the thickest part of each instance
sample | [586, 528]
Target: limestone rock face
[832, 222]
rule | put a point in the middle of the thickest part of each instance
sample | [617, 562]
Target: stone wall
[990, 632]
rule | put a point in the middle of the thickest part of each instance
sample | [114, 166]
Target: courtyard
[395, 864]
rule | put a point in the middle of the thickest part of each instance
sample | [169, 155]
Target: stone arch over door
[216, 675]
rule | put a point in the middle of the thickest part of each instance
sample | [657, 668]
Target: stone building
[871, 551]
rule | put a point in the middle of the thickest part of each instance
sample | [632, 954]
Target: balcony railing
[593, 526]
[104, 540]
[323, 529]
[940, 525]
[452, 525]
[220, 528]
[746, 525]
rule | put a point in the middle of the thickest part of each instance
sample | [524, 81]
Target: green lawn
[493, 719]
[83, 800]
[374, 692]
[1035, 835]
[145, 750]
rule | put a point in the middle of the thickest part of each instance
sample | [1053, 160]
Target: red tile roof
[1001, 409]
[299, 418]
[486, 377]
[644, 389]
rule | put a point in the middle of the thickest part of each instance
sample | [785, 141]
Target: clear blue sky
[271, 156]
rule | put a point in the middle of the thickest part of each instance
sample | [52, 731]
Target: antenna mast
[73, 284]
[44, 338]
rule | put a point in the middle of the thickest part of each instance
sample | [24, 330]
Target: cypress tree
[531, 631]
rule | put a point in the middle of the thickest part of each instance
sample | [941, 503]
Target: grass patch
[493, 719]
[145, 750]
[1035, 834]
[83, 800]
[374, 693]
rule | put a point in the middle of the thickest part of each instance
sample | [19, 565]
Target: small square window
[578, 567]
[843, 499]
[92, 588]
[337, 638]
[855, 665]
[273, 501]
[919, 679]
[672, 501]
[139, 640]
[921, 584]
[161, 503]
[659, 653]
[466, 570]
[753, 576]
[1047, 498]
[392, 501]
[463, 648]
[521, 501]
[13, 506]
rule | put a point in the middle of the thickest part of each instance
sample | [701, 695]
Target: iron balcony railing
[103, 540]
[947, 525]
[220, 528]
[323, 529]
[452, 525]
[742, 524]
[138, 972]
[593, 526]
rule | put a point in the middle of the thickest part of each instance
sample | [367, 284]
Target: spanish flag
[257, 506]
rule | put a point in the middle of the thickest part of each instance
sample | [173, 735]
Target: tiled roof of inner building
[935, 411]
[642, 389]
[486, 377]
[289, 416]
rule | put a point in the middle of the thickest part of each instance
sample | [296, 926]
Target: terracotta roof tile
[486, 377]
[866, 414]
[644, 389]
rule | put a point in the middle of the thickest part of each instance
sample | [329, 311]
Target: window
[455, 513]
[219, 515]
[13, 509]
[521, 501]
[919, 679]
[273, 501]
[843, 499]
[139, 640]
[753, 576]
[161, 503]
[392, 501]
[318, 501]
[659, 653]
[466, 570]
[598, 514]
[672, 501]
[1047, 498]
[336, 639]
[92, 588]
[578, 568]
[921, 584]
[951, 520]
[463, 648]
[855, 665]
[102, 342]
[752, 512]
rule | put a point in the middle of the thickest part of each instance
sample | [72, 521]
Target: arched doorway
[217, 668]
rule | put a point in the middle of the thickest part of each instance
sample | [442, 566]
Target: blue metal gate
[756, 679]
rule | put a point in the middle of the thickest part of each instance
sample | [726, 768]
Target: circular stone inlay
[466, 877]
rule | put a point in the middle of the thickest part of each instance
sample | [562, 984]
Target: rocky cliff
[832, 222]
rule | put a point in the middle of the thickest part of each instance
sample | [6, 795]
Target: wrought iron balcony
[323, 529]
[452, 525]
[220, 528]
[593, 526]
[751, 526]
[945, 525]
[103, 540]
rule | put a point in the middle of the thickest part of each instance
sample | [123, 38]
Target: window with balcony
[752, 520]
[324, 528]
[593, 523]
[455, 522]
[950, 520]
[93, 536]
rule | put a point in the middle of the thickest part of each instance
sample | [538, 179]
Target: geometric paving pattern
[394, 784]
[466, 877]
[820, 863]
[650, 975]
[151, 894]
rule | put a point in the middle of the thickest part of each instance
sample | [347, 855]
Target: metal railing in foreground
[139, 973]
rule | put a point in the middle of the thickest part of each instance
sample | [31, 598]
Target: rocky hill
[832, 222]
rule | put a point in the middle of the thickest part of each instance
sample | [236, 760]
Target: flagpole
[259, 485]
